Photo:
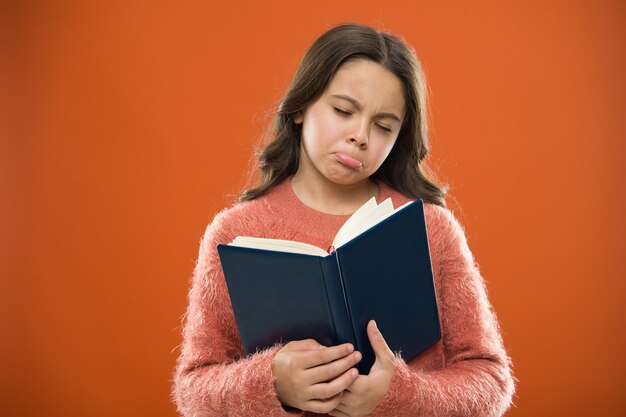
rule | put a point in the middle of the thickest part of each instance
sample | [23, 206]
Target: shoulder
[442, 218]
[242, 218]
[446, 235]
[260, 217]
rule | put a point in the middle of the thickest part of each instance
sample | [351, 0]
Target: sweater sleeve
[212, 377]
[475, 379]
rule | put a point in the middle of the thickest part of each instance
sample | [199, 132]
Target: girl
[352, 125]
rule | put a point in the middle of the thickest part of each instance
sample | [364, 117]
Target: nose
[359, 136]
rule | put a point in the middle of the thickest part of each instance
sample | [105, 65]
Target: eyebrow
[356, 104]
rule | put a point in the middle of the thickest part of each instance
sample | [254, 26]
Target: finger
[343, 406]
[338, 413]
[351, 398]
[323, 406]
[318, 357]
[381, 349]
[331, 370]
[335, 387]
[358, 386]
[302, 345]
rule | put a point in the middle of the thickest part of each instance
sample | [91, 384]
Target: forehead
[373, 85]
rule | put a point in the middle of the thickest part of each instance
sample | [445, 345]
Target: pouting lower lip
[348, 161]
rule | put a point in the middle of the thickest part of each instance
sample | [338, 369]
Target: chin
[343, 179]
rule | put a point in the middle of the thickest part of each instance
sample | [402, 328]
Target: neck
[332, 198]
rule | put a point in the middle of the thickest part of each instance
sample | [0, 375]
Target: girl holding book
[351, 126]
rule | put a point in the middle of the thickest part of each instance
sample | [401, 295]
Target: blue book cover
[383, 274]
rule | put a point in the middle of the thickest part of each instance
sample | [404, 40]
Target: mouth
[348, 161]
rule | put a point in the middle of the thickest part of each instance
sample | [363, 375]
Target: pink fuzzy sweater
[467, 373]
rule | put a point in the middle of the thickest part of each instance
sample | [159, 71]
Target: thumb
[384, 355]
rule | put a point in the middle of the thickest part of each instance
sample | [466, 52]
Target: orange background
[127, 125]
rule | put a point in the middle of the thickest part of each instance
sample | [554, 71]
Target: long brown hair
[404, 168]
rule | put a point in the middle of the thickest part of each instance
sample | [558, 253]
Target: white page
[384, 216]
[356, 218]
[277, 245]
[372, 217]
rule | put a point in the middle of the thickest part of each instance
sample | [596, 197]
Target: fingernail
[358, 356]
[374, 325]
[350, 348]
[354, 373]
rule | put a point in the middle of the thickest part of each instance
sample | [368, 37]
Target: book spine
[358, 324]
[337, 300]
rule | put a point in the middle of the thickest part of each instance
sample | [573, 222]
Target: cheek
[382, 152]
[320, 130]
[384, 149]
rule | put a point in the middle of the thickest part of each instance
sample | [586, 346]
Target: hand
[312, 377]
[363, 395]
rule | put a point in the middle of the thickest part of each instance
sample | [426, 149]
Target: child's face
[348, 132]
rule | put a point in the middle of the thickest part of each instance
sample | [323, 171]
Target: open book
[379, 269]
[368, 215]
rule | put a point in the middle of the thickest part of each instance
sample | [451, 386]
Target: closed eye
[386, 129]
[338, 110]
[347, 113]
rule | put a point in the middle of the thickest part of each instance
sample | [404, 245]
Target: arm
[475, 379]
[211, 378]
